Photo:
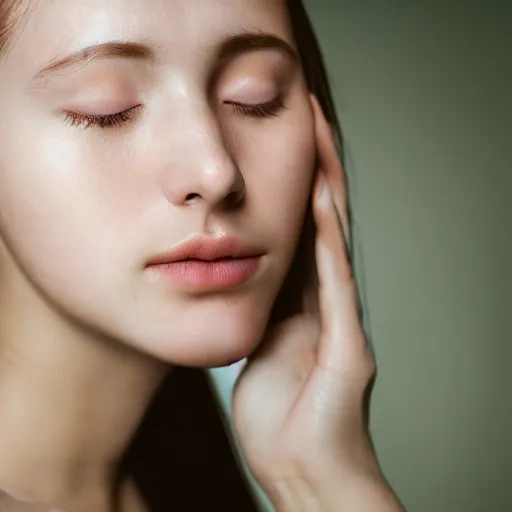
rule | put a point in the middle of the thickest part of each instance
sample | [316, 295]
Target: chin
[205, 336]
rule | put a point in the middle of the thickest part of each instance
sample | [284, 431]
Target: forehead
[52, 28]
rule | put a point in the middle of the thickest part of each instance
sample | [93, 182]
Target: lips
[208, 264]
[206, 250]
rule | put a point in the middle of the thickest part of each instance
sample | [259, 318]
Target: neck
[70, 404]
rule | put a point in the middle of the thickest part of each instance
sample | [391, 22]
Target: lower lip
[209, 275]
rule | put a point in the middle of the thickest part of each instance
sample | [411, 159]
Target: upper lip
[207, 249]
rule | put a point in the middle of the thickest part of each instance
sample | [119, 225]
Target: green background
[423, 91]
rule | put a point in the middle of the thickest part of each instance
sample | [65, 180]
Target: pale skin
[87, 334]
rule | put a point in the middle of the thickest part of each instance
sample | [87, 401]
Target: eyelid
[94, 108]
[258, 110]
[114, 120]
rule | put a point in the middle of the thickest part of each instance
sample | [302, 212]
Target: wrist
[294, 494]
[338, 492]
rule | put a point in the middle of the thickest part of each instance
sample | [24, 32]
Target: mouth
[206, 265]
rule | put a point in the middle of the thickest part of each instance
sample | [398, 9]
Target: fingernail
[324, 193]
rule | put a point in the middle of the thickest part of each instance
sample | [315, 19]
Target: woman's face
[149, 139]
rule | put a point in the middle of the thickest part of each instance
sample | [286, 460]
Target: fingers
[329, 162]
[342, 344]
[342, 340]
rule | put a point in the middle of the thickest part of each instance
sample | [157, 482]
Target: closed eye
[118, 119]
[102, 121]
[258, 110]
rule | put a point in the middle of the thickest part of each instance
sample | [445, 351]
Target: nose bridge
[215, 164]
[207, 171]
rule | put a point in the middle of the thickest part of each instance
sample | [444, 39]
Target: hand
[300, 403]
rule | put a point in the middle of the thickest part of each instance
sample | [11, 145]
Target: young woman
[161, 166]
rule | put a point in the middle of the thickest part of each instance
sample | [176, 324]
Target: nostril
[233, 199]
[192, 197]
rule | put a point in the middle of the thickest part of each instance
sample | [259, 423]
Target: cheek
[278, 167]
[50, 217]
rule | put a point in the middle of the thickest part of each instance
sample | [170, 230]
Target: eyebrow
[103, 51]
[247, 41]
[228, 48]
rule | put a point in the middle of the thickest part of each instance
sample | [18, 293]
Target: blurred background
[424, 94]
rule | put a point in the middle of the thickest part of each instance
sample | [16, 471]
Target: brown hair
[313, 62]
[302, 277]
[9, 17]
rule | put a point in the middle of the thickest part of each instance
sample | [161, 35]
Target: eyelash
[270, 109]
[109, 121]
[258, 111]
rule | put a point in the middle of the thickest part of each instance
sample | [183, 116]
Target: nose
[206, 174]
